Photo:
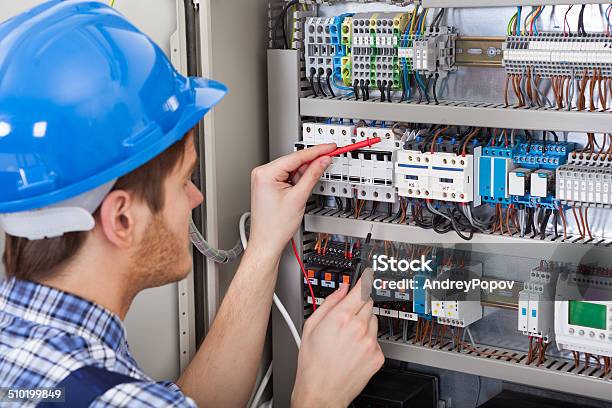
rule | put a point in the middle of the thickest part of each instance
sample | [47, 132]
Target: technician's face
[164, 254]
[182, 196]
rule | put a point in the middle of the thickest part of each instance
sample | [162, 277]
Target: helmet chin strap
[74, 214]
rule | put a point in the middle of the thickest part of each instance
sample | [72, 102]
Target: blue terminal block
[341, 50]
[529, 201]
[540, 155]
[495, 166]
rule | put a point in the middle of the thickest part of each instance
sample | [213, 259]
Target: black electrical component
[393, 388]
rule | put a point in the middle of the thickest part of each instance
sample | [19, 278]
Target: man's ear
[117, 219]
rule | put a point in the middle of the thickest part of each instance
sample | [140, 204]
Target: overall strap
[83, 386]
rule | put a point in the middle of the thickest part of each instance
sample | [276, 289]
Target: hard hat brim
[203, 93]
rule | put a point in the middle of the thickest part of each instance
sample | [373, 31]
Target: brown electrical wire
[488, 353]
[584, 228]
[592, 91]
[441, 335]
[564, 221]
[542, 356]
[578, 224]
[586, 222]
[468, 139]
[508, 211]
[528, 85]
[516, 91]
[530, 351]
[587, 360]
[582, 85]
[506, 90]
[602, 95]
[553, 83]
[415, 339]
[576, 359]
[433, 326]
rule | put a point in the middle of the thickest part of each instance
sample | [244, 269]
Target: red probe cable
[337, 152]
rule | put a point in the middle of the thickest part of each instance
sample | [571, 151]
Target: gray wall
[152, 324]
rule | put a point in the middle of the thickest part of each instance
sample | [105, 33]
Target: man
[96, 156]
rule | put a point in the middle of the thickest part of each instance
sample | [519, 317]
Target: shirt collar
[52, 307]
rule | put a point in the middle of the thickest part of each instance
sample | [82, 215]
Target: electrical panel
[495, 131]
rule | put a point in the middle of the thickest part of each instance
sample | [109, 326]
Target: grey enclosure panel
[283, 85]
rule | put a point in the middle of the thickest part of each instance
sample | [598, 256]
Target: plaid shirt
[46, 334]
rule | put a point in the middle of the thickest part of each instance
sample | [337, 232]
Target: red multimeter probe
[354, 146]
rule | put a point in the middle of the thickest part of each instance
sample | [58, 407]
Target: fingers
[309, 179]
[355, 300]
[294, 161]
[366, 311]
[299, 173]
[373, 326]
[330, 302]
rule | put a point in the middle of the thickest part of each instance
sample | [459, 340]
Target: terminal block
[585, 181]
[536, 304]
[375, 41]
[319, 50]
[541, 155]
[431, 53]
[324, 49]
[533, 183]
[555, 54]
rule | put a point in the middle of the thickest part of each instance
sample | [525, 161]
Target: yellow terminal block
[347, 32]
[347, 73]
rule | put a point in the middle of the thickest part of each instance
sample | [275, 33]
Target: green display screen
[586, 314]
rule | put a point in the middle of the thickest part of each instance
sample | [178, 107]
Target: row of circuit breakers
[375, 50]
[551, 305]
[521, 172]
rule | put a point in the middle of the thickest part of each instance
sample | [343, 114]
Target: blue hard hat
[85, 97]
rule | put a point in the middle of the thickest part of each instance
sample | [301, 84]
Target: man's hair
[36, 260]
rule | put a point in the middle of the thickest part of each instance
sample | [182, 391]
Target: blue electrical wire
[535, 21]
[518, 20]
[418, 32]
[607, 14]
[342, 87]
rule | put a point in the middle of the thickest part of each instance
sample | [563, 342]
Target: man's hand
[278, 203]
[339, 352]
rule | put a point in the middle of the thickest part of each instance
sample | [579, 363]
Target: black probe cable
[359, 267]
